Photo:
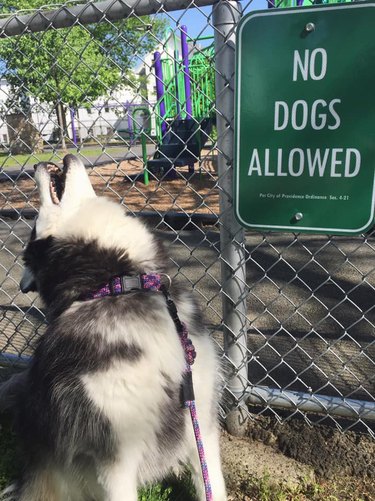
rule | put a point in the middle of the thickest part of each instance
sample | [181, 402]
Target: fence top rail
[91, 12]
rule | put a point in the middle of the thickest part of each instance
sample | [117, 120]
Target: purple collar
[124, 283]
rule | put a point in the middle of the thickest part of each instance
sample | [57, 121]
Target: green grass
[156, 493]
[14, 161]
[170, 490]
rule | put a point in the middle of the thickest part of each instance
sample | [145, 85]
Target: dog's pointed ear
[43, 182]
[77, 183]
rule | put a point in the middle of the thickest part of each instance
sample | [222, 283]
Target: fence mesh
[95, 89]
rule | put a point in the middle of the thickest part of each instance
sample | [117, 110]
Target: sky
[196, 19]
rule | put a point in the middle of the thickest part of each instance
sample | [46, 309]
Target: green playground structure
[301, 3]
[185, 88]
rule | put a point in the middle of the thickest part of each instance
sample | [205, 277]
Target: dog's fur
[100, 414]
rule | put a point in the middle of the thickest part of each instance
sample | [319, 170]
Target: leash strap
[187, 389]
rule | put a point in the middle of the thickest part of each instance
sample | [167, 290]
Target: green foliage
[74, 66]
[156, 493]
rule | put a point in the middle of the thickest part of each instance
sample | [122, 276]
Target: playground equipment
[185, 101]
[299, 3]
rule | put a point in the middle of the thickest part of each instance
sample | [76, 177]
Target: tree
[74, 66]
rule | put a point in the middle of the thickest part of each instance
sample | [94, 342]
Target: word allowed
[329, 162]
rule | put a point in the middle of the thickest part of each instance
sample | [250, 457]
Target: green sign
[305, 119]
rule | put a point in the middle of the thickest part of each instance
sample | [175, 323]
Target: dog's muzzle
[28, 283]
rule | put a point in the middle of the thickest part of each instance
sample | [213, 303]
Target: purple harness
[152, 282]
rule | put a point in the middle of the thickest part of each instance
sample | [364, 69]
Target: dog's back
[102, 412]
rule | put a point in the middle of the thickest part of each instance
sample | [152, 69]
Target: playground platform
[180, 146]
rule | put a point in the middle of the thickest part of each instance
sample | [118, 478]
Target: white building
[105, 118]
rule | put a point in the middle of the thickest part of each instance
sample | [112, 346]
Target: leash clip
[129, 283]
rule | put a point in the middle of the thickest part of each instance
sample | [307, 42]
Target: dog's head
[80, 240]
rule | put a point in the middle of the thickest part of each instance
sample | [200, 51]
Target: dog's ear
[77, 183]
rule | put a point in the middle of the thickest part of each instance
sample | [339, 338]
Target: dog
[100, 412]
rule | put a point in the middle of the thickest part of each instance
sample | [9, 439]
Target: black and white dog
[100, 414]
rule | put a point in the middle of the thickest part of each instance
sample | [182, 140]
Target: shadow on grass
[181, 489]
[9, 453]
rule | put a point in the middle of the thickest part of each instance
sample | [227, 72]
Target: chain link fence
[136, 84]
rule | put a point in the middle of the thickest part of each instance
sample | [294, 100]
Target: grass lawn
[14, 161]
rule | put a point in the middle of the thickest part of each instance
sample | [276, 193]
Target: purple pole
[187, 81]
[175, 64]
[160, 90]
[74, 133]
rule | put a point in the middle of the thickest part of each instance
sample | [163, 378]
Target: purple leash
[190, 355]
[188, 397]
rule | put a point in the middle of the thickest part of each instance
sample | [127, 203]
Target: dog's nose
[28, 283]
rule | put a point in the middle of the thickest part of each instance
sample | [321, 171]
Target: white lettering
[322, 116]
[357, 166]
[335, 162]
[334, 114]
[303, 67]
[305, 114]
[284, 106]
[254, 164]
[280, 173]
[308, 67]
[300, 115]
[267, 163]
[323, 65]
[292, 154]
[317, 161]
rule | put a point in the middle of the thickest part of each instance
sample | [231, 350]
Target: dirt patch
[297, 461]
[195, 192]
[244, 458]
[323, 466]
[325, 448]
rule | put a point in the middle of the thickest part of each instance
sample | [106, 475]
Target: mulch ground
[192, 193]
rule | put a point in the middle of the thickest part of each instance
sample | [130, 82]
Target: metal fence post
[226, 15]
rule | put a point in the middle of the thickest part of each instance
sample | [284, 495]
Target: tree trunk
[23, 135]
[61, 123]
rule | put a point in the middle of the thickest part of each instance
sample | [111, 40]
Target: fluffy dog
[101, 413]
